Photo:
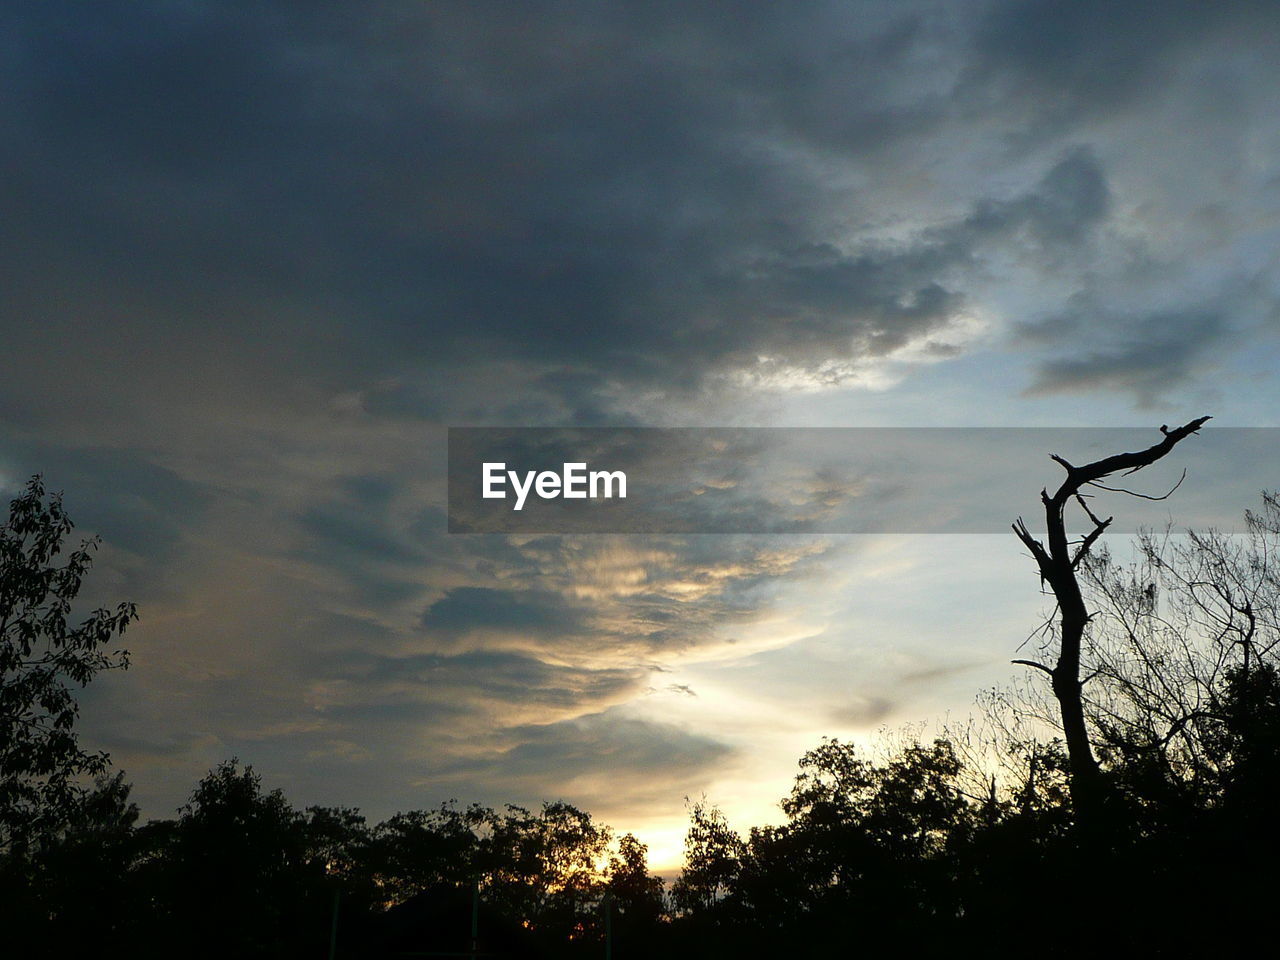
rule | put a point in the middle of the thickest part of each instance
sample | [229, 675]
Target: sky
[258, 259]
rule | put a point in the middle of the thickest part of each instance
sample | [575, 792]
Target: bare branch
[1044, 627]
[1032, 544]
[1089, 540]
[1032, 663]
[1134, 493]
[1085, 507]
[1132, 462]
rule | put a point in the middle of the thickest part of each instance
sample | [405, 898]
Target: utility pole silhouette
[606, 904]
[333, 927]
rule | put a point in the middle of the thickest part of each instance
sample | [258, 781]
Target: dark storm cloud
[499, 677]
[354, 533]
[119, 495]
[1071, 198]
[1065, 60]
[1147, 368]
[812, 302]
[536, 613]
[597, 193]
[573, 187]
[1143, 355]
[598, 756]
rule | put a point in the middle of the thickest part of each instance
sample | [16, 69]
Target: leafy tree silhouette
[713, 855]
[43, 657]
[635, 893]
[421, 849]
[73, 886]
[241, 872]
[542, 867]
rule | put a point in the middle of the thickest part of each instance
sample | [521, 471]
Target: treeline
[899, 854]
[964, 844]
[242, 873]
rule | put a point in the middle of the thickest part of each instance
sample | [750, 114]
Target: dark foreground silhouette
[966, 845]
[892, 856]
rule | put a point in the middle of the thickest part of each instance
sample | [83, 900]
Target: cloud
[462, 198]
[1146, 356]
[457, 193]
[533, 613]
[596, 760]
[606, 599]
[1065, 61]
[135, 503]
[505, 682]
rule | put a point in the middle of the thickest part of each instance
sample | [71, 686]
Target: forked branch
[1057, 562]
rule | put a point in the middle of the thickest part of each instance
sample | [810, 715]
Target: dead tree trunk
[1058, 562]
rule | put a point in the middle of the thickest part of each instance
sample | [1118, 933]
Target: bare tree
[1190, 620]
[1058, 563]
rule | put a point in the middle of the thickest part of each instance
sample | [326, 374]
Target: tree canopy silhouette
[43, 658]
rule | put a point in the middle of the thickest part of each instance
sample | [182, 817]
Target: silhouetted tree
[916, 849]
[541, 869]
[544, 869]
[337, 847]
[72, 886]
[636, 894]
[1183, 649]
[1058, 563]
[235, 875]
[909, 805]
[713, 854]
[865, 855]
[416, 851]
[43, 658]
